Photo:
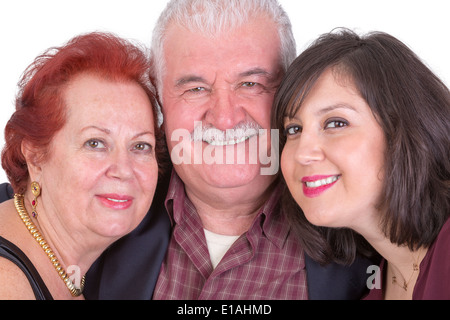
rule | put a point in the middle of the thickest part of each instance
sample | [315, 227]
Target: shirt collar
[175, 198]
[270, 222]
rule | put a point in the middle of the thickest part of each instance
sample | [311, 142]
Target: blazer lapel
[337, 282]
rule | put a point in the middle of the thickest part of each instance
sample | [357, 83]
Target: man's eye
[196, 90]
[249, 84]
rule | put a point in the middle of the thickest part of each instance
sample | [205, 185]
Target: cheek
[369, 154]
[147, 175]
[69, 185]
[181, 113]
[177, 127]
[288, 165]
[259, 109]
[74, 178]
[364, 169]
[285, 162]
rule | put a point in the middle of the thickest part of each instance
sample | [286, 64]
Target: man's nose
[225, 111]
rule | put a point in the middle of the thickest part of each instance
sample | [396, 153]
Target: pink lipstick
[314, 186]
[115, 201]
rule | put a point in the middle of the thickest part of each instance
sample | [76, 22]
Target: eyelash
[292, 126]
[196, 90]
[342, 123]
[337, 124]
[90, 143]
[149, 147]
[246, 84]
[249, 84]
[139, 146]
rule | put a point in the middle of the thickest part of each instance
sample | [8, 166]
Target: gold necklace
[20, 208]
[406, 283]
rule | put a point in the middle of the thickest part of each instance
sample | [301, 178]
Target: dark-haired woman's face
[334, 154]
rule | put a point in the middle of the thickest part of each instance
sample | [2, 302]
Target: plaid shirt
[264, 263]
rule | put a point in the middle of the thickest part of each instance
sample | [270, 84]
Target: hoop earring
[36, 190]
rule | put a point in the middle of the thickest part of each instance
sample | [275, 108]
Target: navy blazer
[129, 268]
[6, 192]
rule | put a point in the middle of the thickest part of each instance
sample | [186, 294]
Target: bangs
[299, 96]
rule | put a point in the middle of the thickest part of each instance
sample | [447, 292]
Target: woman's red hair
[40, 108]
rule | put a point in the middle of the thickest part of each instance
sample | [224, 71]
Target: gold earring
[36, 190]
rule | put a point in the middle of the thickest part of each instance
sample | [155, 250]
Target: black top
[6, 192]
[14, 254]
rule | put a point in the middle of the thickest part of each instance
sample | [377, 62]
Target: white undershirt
[218, 245]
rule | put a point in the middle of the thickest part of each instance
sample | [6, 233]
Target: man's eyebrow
[255, 71]
[188, 79]
[194, 78]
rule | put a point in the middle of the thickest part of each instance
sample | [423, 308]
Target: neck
[231, 212]
[400, 263]
[72, 250]
[402, 271]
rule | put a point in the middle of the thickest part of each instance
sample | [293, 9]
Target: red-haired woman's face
[101, 173]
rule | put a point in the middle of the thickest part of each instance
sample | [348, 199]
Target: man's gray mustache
[239, 133]
[261, 150]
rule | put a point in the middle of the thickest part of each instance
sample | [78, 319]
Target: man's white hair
[211, 17]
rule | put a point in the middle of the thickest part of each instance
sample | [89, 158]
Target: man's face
[220, 90]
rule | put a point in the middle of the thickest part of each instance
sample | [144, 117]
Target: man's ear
[33, 158]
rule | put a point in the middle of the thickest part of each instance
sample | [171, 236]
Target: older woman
[81, 156]
[366, 153]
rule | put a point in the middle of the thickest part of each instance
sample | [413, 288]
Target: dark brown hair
[40, 109]
[413, 108]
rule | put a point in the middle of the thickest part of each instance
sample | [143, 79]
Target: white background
[29, 27]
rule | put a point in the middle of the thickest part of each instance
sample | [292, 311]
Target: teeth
[322, 182]
[229, 137]
[116, 200]
[227, 143]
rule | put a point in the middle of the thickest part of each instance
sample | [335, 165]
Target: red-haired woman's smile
[114, 201]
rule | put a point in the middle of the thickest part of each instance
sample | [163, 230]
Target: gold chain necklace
[18, 202]
[406, 283]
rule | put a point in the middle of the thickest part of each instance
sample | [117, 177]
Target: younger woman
[365, 152]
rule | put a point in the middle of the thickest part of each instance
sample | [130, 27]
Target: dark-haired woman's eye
[292, 130]
[335, 123]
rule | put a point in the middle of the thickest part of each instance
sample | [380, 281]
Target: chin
[242, 178]
[322, 218]
[115, 230]
[226, 175]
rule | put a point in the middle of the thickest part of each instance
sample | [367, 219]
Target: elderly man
[217, 66]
